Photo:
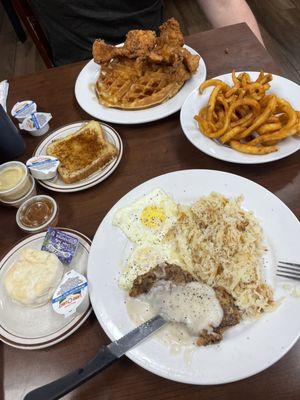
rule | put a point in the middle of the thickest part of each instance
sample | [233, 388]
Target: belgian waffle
[133, 84]
[146, 71]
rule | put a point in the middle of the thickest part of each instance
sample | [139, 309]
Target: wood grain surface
[149, 150]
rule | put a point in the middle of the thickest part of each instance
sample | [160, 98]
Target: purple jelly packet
[61, 244]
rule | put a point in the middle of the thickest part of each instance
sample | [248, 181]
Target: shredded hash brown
[222, 245]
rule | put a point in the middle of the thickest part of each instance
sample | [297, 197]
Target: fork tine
[287, 269]
[297, 278]
[289, 263]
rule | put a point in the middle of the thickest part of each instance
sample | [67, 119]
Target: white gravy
[179, 337]
[194, 304]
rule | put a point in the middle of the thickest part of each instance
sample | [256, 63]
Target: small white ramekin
[21, 188]
[31, 193]
[51, 222]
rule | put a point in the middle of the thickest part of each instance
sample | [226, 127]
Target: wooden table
[149, 150]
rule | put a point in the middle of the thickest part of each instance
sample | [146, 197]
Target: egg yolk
[152, 217]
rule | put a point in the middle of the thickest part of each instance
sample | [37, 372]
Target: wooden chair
[34, 29]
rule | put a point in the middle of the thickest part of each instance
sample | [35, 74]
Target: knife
[103, 359]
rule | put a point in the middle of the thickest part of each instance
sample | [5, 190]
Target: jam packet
[61, 244]
[70, 294]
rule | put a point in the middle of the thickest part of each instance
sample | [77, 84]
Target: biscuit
[33, 278]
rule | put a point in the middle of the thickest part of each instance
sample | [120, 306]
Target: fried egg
[143, 258]
[148, 219]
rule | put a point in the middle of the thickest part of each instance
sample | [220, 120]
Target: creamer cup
[36, 124]
[43, 167]
[23, 109]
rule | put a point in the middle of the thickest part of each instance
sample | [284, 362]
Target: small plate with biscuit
[88, 153]
[27, 318]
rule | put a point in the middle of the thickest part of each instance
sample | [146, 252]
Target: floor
[279, 21]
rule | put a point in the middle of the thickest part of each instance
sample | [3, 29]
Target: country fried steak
[171, 272]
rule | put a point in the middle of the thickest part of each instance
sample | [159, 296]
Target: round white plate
[87, 99]
[247, 348]
[282, 87]
[36, 328]
[57, 184]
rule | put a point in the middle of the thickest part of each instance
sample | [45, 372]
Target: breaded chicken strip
[138, 43]
[169, 48]
[191, 61]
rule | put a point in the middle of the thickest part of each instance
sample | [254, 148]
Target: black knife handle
[56, 389]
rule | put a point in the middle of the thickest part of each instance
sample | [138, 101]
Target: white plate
[247, 348]
[57, 184]
[87, 99]
[282, 87]
[36, 328]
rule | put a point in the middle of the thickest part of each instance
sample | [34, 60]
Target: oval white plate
[57, 184]
[87, 99]
[36, 328]
[282, 87]
[247, 348]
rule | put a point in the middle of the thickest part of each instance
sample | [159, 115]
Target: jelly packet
[61, 244]
[70, 294]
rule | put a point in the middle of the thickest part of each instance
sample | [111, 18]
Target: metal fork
[288, 270]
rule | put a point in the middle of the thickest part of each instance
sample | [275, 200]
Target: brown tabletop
[149, 150]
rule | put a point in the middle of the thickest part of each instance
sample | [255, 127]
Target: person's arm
[229, 12]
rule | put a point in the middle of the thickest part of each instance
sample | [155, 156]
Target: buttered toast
[82, 153]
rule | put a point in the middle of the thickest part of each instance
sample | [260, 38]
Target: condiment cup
[36, 124]
[52, 221]
[21, 188]
[22, 109]
[31, 193]
[43, 167]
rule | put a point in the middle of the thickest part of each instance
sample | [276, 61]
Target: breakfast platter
[248, 345]
[195, 249]
[39, 327]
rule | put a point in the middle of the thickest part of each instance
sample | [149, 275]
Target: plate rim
[113, 165]
[148, 366]
[224, 158]
[140, 120]
[59, 337]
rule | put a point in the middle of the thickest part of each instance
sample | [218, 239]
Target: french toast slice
[82, 153]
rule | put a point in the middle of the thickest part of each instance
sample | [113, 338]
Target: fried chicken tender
[169, 48]
[146, 47]
[170, 34]
[191, 61]
[138, 43]
[103, 52]
[169, 44]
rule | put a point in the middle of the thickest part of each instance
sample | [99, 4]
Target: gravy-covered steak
[177, 277]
